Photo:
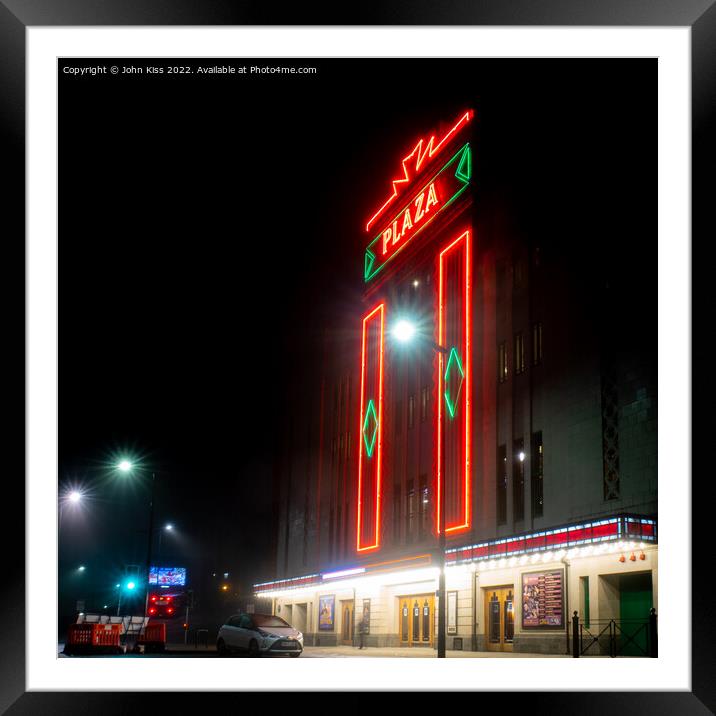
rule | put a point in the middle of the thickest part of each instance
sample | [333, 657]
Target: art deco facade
[527, 396]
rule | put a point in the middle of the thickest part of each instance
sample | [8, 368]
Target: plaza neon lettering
[392, 235]
[439, 192]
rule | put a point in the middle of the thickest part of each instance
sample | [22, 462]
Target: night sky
[208, 227]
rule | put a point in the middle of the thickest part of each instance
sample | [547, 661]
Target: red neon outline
[429, 152]
[378, 455]
[468, 383]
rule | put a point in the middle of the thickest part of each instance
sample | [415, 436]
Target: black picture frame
[17, 15]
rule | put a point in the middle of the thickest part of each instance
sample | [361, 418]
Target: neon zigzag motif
[418, 157]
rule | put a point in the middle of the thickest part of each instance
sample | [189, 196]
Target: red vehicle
[166, 605]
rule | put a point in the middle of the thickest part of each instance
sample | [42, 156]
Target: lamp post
[168, 527]
[404, 331]
[72, 499]
[127, 466]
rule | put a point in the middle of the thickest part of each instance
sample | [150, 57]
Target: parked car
[259, 634]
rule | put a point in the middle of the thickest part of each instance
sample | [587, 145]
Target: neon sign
[416, 159]
[454, 436]
[439, 192]
[371, 427]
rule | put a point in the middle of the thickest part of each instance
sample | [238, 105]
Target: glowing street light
[74, 496]
[81, 568]
[404, 331]
[125, 466]
[169, 527]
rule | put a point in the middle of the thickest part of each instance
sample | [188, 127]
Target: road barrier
[93, 639]
[153, 637]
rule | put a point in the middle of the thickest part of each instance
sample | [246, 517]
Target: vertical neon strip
[380, 308]
[467, 437]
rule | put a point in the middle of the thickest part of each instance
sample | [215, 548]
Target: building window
[332, 531]
[537, 465]
[424, 505]
[519, 353]
[412, 517]
[502, 362]
[396, 513]
[518, 480]
[411, 411]
[501, 485]
[537, 344]
[424, 403]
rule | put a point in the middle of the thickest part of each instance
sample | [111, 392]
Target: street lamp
[168, 527]
[404, 331]
[72, 499]
[127, 466]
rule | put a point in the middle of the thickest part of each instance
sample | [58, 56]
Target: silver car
[259, 634]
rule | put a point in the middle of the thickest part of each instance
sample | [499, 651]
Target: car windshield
[264, 620]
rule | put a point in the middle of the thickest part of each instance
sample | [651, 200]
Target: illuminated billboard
[169, 576]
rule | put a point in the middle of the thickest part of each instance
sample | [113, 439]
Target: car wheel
[296, 655]
[253, 648]
[221, 647]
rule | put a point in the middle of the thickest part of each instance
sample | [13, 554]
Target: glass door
[500, 618]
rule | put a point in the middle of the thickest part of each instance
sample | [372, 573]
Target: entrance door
[500, 618]
[635, 602]
[416, 620]
[347, 623]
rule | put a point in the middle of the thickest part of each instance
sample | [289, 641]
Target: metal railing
[614, 637]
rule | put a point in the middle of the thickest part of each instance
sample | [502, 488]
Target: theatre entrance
[347, 623]
[500, 618]
[416, 620]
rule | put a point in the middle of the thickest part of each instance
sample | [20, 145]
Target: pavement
[323, 652]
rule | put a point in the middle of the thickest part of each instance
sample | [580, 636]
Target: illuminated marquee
[439, 192]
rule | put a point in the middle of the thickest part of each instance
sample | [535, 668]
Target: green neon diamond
[464, 168]
[454, 378]
[370, 427]
[369, 260]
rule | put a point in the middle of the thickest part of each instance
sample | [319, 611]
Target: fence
[614, 637]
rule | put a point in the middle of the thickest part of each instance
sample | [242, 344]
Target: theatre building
[495, 385]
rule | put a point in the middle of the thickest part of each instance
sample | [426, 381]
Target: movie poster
[452, 613]
[326, 612]
[543, 600]
[366, 615]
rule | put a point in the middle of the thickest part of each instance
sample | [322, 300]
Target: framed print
[366, 616]
[232, 232]
[326, 612]
[452, 613]
[543, 600]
